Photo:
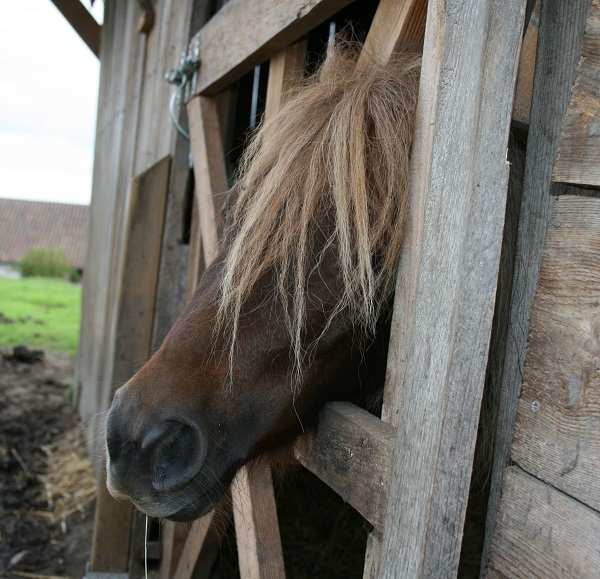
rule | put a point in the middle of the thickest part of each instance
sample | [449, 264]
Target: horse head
[294, 311]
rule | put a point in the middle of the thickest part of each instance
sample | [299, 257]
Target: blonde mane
[337, 153]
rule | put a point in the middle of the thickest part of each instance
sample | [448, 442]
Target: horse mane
[328, 172]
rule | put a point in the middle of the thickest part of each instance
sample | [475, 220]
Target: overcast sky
[48, 100]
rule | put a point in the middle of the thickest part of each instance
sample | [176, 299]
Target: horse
[295, 310]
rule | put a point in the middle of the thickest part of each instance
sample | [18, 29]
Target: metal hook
[180, 77]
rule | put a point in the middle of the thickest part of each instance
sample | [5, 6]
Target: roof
[27, 225]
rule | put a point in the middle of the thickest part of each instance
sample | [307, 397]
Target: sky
[48, 101]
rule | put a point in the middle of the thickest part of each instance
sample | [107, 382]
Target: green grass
[45, 313]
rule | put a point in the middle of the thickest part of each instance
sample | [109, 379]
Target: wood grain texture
[154, 132]
[578, 157]
[172, 281]
[196, 255]
[256, 525]
[351, 450]
[109, 190]
[173, 537]
[559, 40]
[286, 69]
[397, 26]
[542, 532]
[112, 531]
[560, 443]
[137, 293]
[524, 88]
[262, 29]
[209, 170]
[463, 117]
[193, 545]
[139, 273]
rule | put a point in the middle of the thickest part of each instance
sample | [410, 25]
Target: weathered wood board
[578, 157]
[137, 292]
[557, 432]
[193, 545]
[172, 279]
[524, 88]
[262, 29]
[351, 450]
[209, 170]
[256, 524]
[542, 532]
[397, 26]
[559, 39]
[106, 216]
[460, 180]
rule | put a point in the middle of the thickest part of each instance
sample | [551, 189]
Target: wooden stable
[533, 331]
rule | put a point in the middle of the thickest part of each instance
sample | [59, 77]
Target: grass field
[40, 312]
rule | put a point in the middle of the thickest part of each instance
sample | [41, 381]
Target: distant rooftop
[27, 225]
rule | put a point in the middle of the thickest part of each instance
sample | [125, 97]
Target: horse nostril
[174, 453]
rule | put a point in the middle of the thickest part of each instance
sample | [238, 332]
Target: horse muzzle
[151, 458]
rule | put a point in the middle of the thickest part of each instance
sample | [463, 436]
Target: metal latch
[185, 77]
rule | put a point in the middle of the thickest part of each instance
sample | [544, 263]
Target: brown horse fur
[299, 295]
[328, 172]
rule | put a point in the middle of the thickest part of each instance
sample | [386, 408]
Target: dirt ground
[47, 489]
[46, 483]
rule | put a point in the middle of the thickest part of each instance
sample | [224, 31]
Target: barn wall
[134, 132]
[547, 516]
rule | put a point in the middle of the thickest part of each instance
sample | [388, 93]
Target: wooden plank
[82, 22]
[560, 442]
[119, 65]
[351, 450]
[137, 293]
[286, 69]
[463, 117]
[256, 525]
[262, 29]
[139, 273]
[542, 532]
[524, 89]
[209, 169]
[193, 545]
[173, 537]
[172, 282]
[578, 160]
[559, 40]
[397, 26]
[112, 532]
[195, 256]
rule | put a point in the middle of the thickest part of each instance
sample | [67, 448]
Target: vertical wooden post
[209, 169]
[460, 177]
[396, 26]
[141, 256]
[559, 42]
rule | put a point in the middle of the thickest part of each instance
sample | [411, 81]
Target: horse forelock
[328, 172]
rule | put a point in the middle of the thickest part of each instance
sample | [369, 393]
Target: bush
[45, 263]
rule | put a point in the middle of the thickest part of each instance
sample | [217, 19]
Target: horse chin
[187, 505]
[202, 504]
